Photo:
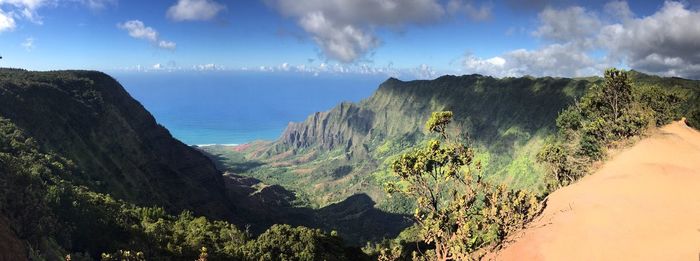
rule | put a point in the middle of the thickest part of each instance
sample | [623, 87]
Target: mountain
[88, 118]
[85, 169]
[338, 153]
[622, 211]
[344, 151]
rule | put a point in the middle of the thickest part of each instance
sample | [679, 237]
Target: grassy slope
[346, 150]
[335, 154]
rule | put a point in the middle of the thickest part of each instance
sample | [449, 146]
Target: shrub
[456, 211]
[606, 113]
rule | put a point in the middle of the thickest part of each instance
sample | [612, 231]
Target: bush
[606, 113]
[284, 242]
[456, 211]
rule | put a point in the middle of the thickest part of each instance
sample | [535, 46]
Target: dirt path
[643, 204]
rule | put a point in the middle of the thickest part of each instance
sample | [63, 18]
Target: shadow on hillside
[224, 164]
[356, 219]
[499, 113]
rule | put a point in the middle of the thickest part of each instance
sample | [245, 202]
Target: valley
[99, 166]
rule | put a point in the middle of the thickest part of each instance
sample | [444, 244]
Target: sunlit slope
[335, 154]
[643, 204]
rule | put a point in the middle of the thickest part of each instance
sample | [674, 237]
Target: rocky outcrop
[345, 126]
[484, 106]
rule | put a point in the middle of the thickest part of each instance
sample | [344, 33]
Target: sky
[410, 38]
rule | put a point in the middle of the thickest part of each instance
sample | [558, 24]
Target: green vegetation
[58, 217]
[350, 149]
[609, 113]
[506, 118]
[88, 118]
[86, 173]
[456, 212]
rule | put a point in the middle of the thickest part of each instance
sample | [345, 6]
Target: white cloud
[470, 9]
[553, 60]
[28, 44]
[7, 23]
[666, 42]
[492, 66]
[344, 43]
[208, 67]
[99, 4]
[285, 67]
[194, 10]
[24, 9]
[29, 4]
[343, 29]
[32, 16]
[571, 24]
[423, 72]
[618, 10]
[167, 45]
[139, 30]
[17, 10]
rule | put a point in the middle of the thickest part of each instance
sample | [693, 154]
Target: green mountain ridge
[344, 151]
[85, 168]
[335, 154]
[90, 119]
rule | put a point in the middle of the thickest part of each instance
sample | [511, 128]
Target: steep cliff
[346, 150]
[488, 109]
[335, 154]
[88, 118]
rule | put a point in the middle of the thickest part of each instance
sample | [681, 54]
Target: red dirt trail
[643, 204]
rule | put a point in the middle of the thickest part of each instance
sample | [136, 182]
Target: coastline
[214, 144]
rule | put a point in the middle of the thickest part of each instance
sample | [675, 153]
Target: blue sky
[421, 38]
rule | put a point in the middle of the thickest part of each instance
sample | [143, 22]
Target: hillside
[335, 154]
[88, 118]
[642, 204]
[338, 153]
[86, 170]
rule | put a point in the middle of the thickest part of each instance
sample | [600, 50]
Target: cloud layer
[12, 11]
[343, 29]
[194, 10]
[139, 30]
[7, 23]
[666, 43]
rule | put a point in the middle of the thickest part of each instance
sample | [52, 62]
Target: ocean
[202, 108]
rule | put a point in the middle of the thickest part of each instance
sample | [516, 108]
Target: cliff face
[485, 107]
[335, 154]
[89, 118]
[345, 126]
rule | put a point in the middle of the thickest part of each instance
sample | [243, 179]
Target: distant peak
[392, 79]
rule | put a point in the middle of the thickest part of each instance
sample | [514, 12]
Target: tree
[203, 255]
[456, 210]
[438, 122]
[617, 91]
[438, 178]
[284, 242]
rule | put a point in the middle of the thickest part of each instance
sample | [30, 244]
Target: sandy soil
[643, 204]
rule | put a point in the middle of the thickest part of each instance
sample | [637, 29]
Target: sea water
[201, 108]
